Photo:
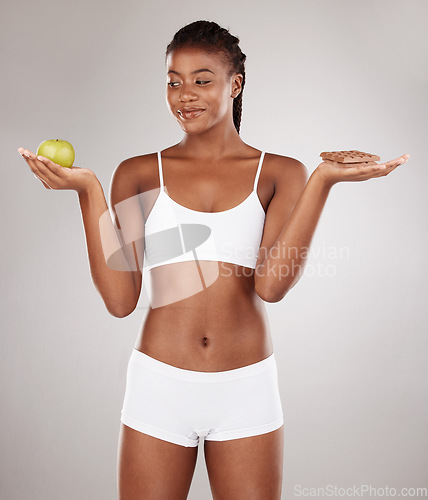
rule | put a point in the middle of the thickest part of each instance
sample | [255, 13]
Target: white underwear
[181, 406]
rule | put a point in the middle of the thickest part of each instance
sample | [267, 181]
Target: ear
[236, 84]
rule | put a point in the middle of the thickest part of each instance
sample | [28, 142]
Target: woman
[203, 365]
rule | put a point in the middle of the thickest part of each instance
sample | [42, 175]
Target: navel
[205, 341]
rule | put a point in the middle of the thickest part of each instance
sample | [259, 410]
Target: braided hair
[212, 38]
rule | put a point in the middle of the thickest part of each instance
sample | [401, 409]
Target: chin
[192, 132]
[191, 127]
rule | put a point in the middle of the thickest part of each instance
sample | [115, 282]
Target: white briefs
[181, 406]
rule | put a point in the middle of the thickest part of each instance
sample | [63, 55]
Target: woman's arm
[116, 288]
[280, 265]
[111, 261]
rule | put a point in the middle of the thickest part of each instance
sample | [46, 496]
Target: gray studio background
[350, 339]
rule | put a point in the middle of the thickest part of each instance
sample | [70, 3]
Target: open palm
[337, 172]
[54, 176]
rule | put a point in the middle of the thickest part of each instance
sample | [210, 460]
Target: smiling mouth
[188, 115]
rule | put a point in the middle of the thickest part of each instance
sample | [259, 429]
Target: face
[209, 91]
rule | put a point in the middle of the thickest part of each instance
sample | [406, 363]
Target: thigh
[248, 468]
[153, 469]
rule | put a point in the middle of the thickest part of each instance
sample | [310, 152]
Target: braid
[237, 105]
[212, 38]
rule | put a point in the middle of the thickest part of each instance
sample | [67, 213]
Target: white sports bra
[175, 233]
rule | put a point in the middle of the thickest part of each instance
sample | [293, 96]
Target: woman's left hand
[333, 171]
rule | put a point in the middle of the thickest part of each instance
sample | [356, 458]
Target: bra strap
[258, 170]
[160, 170]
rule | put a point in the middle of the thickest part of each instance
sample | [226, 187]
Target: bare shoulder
[133, 173]
[287, 169]
[136, 164]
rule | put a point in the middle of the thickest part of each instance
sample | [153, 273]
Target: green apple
[58, 151]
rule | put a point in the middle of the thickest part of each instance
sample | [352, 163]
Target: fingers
[398, 161]
[380, 170]
[386, 171]
[393, 164]
[25, 153]
[45, 170]
[44, 183]
[28, 158]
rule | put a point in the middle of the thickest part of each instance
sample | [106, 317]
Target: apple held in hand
[58, 151]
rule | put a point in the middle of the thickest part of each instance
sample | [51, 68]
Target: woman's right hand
[54, 176]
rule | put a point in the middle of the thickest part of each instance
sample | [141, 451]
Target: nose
[187, 94]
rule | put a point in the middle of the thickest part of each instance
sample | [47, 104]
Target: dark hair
[211, 37]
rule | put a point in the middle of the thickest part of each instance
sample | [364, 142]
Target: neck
[213, 144]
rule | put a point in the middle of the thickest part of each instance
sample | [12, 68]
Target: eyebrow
[193, 72]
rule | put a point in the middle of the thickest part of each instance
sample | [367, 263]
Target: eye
[173, 84]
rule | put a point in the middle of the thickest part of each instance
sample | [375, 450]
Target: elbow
[275, 297]
[275, 291]
[120, 312]
[270, 294]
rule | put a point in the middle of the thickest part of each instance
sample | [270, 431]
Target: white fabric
[181, 406]
[174, 233]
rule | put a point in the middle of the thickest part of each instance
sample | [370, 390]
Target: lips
[190, 113]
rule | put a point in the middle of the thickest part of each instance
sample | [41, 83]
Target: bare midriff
[205, 316]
